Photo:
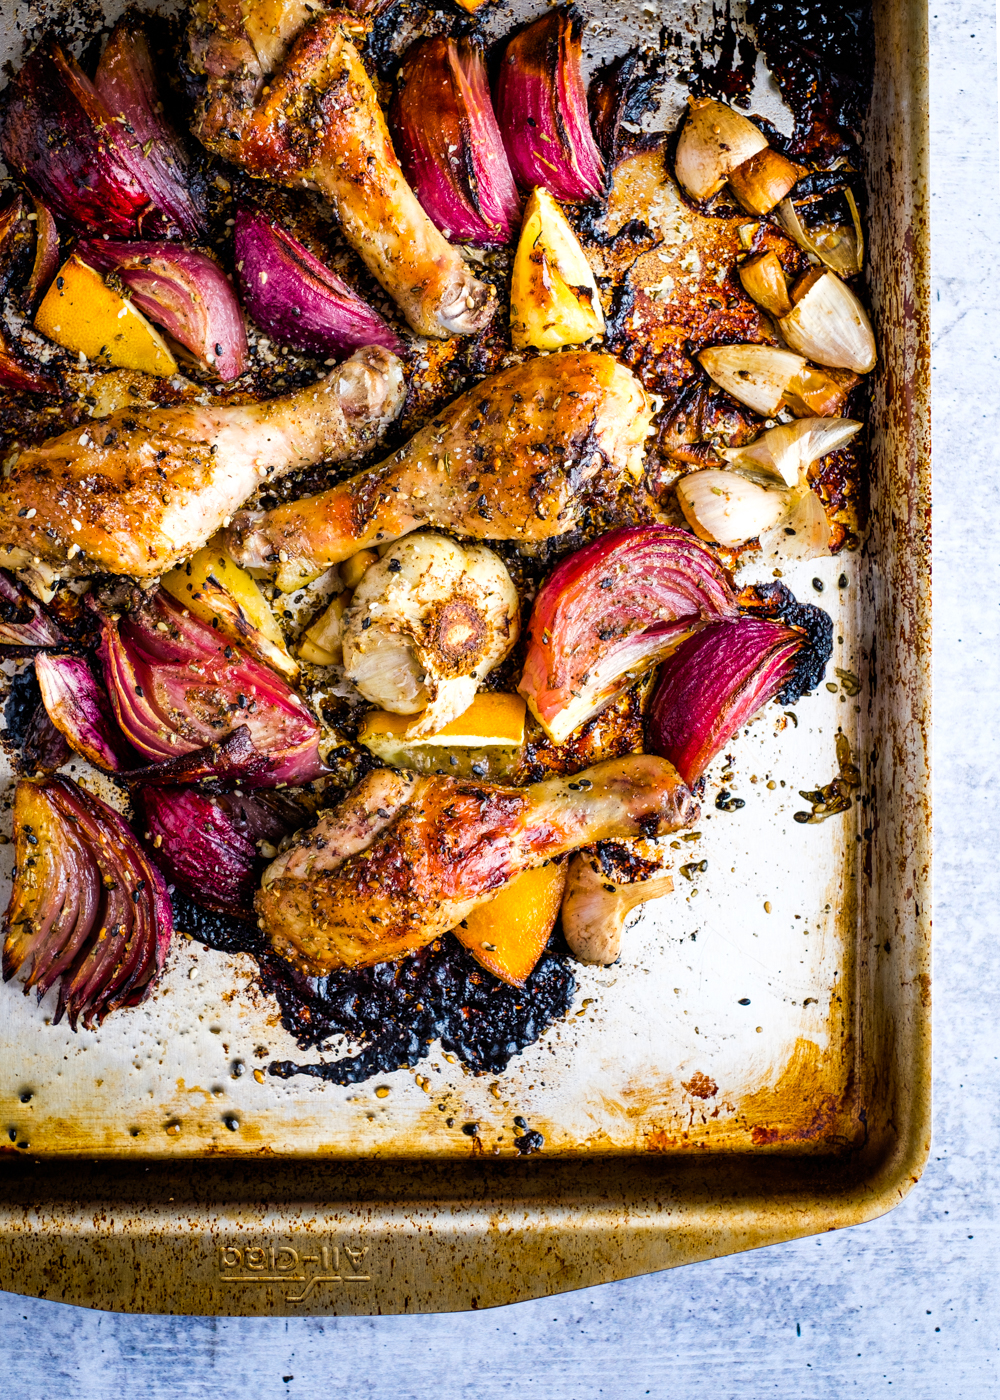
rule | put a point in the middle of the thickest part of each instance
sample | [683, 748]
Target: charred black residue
[821, 56]
[622, 863]
[395, 1011]
[777, 601]
[623, 90]
[29, 737]
[729, 72]
[527, 1140]
[618, 332]
[45, 749]
[23, 699]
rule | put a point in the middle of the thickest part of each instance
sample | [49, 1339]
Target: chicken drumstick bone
[403, 859]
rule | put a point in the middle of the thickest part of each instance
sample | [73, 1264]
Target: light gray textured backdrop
[905, 1306]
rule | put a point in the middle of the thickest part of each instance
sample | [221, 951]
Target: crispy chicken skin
[139, 491]
[506, 461]
[317, 122]
[403, 859]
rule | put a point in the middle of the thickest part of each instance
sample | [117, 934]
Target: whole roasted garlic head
[426, 624]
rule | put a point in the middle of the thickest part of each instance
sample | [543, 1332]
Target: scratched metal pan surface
[755, 1068]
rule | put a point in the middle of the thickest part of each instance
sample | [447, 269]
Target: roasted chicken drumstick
[311, 117]
[506, 461]
[139, 491]
[403, 859]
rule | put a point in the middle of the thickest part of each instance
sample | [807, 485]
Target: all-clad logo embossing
[300, 1273]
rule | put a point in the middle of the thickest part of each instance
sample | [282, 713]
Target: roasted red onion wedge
[176, 686]
[15, 375]
[228, 760]
[609, 613]
[15, 249]
[61, 136]
[88, 908]
[79, 708]
[209, 845]
[297, 299]
[449, 144]
[151, 148]
[541, 107]
[46, 252]
[25, 625]
[715, 682]
[185, 292]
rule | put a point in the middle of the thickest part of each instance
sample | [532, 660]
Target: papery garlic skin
[757, 375]
[803, 532]
[714, 142]
[426, 624]
[791, 448]
[840, 248]
[724, 508]
[828, 324]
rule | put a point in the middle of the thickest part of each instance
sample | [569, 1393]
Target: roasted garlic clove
[764, 180]
[828, 324]
[714, 142]
[594, 908]
[322, 642]
[724, 508]
[764, 280]
[757, 375]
